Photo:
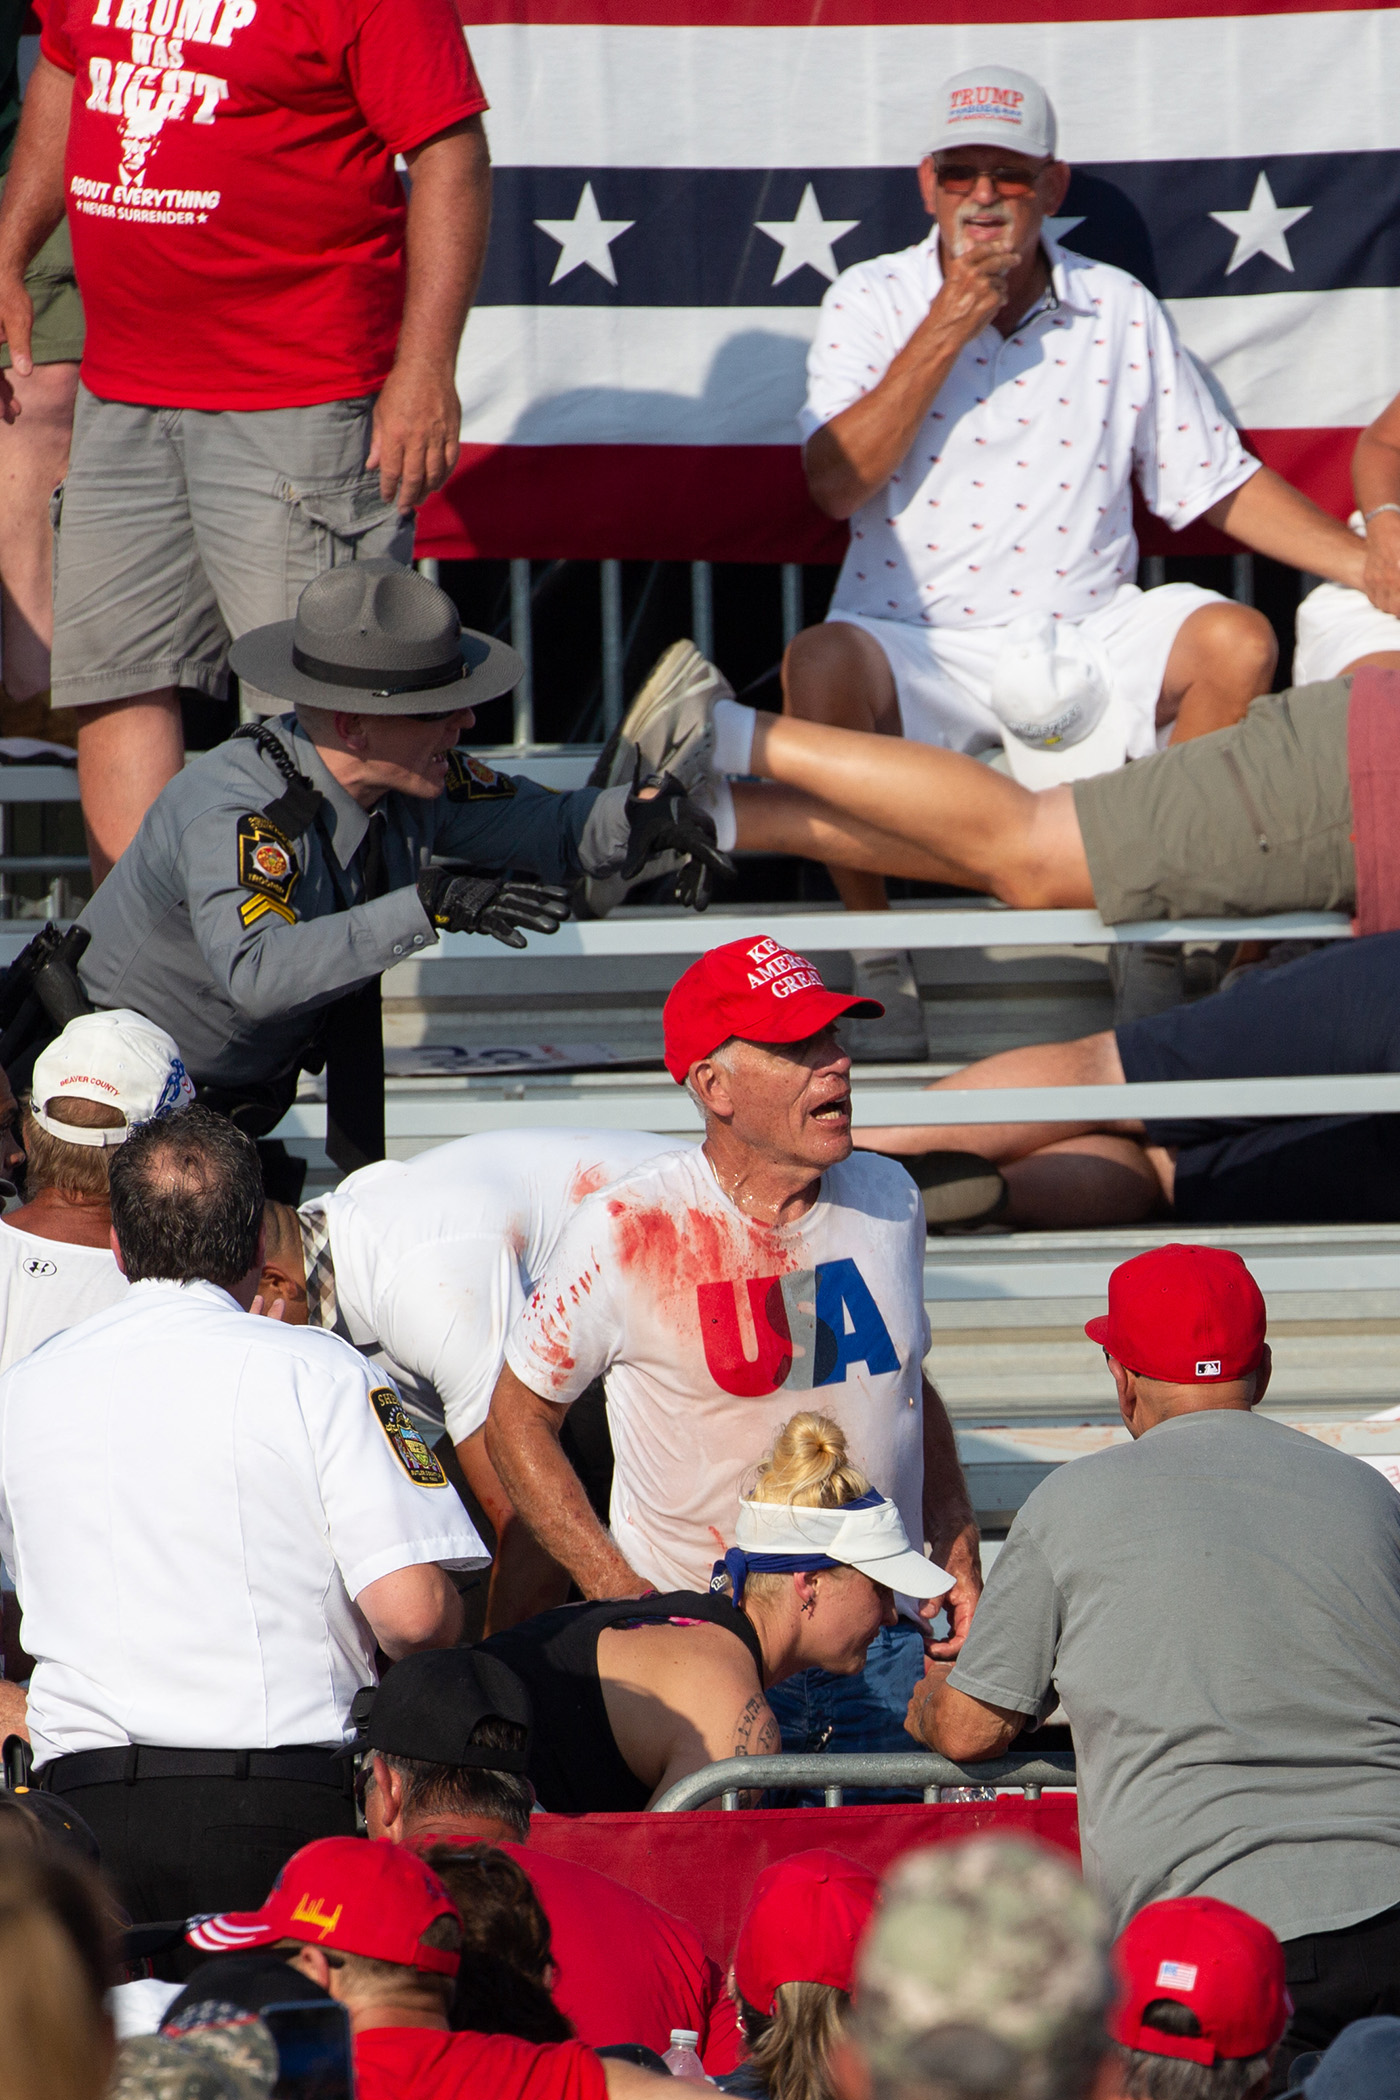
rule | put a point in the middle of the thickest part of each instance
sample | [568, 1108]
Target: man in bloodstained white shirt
[712, 1285]
[979, 407]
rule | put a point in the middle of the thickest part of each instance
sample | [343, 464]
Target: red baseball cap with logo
[806, 1917]
[1186, 1315]
[361, 1898]
[1201, 1953]
[758, 990]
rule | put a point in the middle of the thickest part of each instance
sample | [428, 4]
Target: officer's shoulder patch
[468, 780]
[268, 866]
[406, 1440]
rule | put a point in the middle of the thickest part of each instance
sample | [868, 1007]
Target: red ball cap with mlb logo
[758, 990]
[359, 1897]
[804, 1921]
[1222, 1964]
[1186, 1315]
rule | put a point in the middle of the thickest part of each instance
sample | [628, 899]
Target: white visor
[868, 1535]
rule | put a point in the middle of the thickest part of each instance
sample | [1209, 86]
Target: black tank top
[575, 1764]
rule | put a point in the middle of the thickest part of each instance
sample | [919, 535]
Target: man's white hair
[723, 1056]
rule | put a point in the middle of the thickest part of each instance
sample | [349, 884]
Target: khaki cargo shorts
[59, 327]
[178, 529]
[1253, 820]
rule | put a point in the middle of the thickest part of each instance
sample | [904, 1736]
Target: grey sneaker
[899, 1036]
[669, 722]
[670, 726]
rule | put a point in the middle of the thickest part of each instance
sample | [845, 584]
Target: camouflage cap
[217, 2052]
[996, 1939]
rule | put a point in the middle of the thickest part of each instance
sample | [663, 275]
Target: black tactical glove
[496, 904]
[671, 823]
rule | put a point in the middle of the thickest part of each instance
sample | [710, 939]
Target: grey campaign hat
[380, 639]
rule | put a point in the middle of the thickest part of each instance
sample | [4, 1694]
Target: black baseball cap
[429, 1705]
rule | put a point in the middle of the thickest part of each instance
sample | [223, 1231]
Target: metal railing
[1029, 1771]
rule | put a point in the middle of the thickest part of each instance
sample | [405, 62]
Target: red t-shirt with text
[237, 220]
[423, 2063]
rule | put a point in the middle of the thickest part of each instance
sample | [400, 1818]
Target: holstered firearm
[40, 993]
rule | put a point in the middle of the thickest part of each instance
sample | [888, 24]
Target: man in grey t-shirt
[1216, 1606]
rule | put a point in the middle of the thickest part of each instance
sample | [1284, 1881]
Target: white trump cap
[119, 1059]
[1052, 692]
[994, 106]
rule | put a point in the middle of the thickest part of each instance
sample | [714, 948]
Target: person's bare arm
[631, 2082]
[854, 454]
[524, 1578]
[679, 1698]
[1273, 518]
[418, 418]
[955, 1724]
[522, 1442]
[32, 205]
[1375, 474]
[950, 1527]
[14, 1710]
[411, 1609]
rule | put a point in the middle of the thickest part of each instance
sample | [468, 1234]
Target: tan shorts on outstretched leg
[1253, 820]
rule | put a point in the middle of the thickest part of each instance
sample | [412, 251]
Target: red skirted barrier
[702, 1863]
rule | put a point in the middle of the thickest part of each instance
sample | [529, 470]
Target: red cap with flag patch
[1186, 1315]
[1218, 1962]
[758, 990]
[372, 1899]
[805, 1919]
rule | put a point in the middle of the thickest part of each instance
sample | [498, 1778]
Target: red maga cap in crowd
[1223, 1964]
[758, 990]
[1186, 1315]
[361, 1898]
[805, 1919]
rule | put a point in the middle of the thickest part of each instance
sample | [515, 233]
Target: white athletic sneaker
[670, 724]
[899, 1036]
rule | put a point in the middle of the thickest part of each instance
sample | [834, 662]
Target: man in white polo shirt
[424, 1264]
[979, 407]
[239, 1513]
[714, 1285]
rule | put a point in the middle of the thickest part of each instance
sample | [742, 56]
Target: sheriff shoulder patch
[406, 1440]
[268, 867]
[468, 780]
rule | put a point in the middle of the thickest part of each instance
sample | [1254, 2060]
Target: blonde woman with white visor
[631, 1694]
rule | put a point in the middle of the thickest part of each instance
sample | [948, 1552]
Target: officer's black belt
[147, 1761]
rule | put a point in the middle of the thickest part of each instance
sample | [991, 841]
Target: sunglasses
[960, 180]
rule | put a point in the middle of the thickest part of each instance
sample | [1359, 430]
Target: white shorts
[943, 675]
[1335, 627]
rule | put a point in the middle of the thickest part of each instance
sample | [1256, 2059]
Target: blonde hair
[790, 2048]
[76, 1170]
[807, 1467]
[56, 1960]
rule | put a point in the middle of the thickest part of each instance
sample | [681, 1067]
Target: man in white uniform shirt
[240, 1512]
[714, 1285]
[424, 1264]
[979, 407]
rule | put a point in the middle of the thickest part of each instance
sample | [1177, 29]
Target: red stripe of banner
[875, 14]
[730, 502]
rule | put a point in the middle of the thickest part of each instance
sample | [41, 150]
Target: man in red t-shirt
[268, 387]
[377, 1930]
[448, 1736]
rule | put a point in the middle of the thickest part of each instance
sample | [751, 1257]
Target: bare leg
[127, 751]
[1084, 1181]
[1091, 1060]
[984, 829]
[33, 460]
[1223, 657]
[839, 674]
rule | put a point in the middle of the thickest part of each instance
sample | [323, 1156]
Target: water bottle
[682, 2059]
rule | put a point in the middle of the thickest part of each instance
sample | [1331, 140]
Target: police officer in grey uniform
[277, 876]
